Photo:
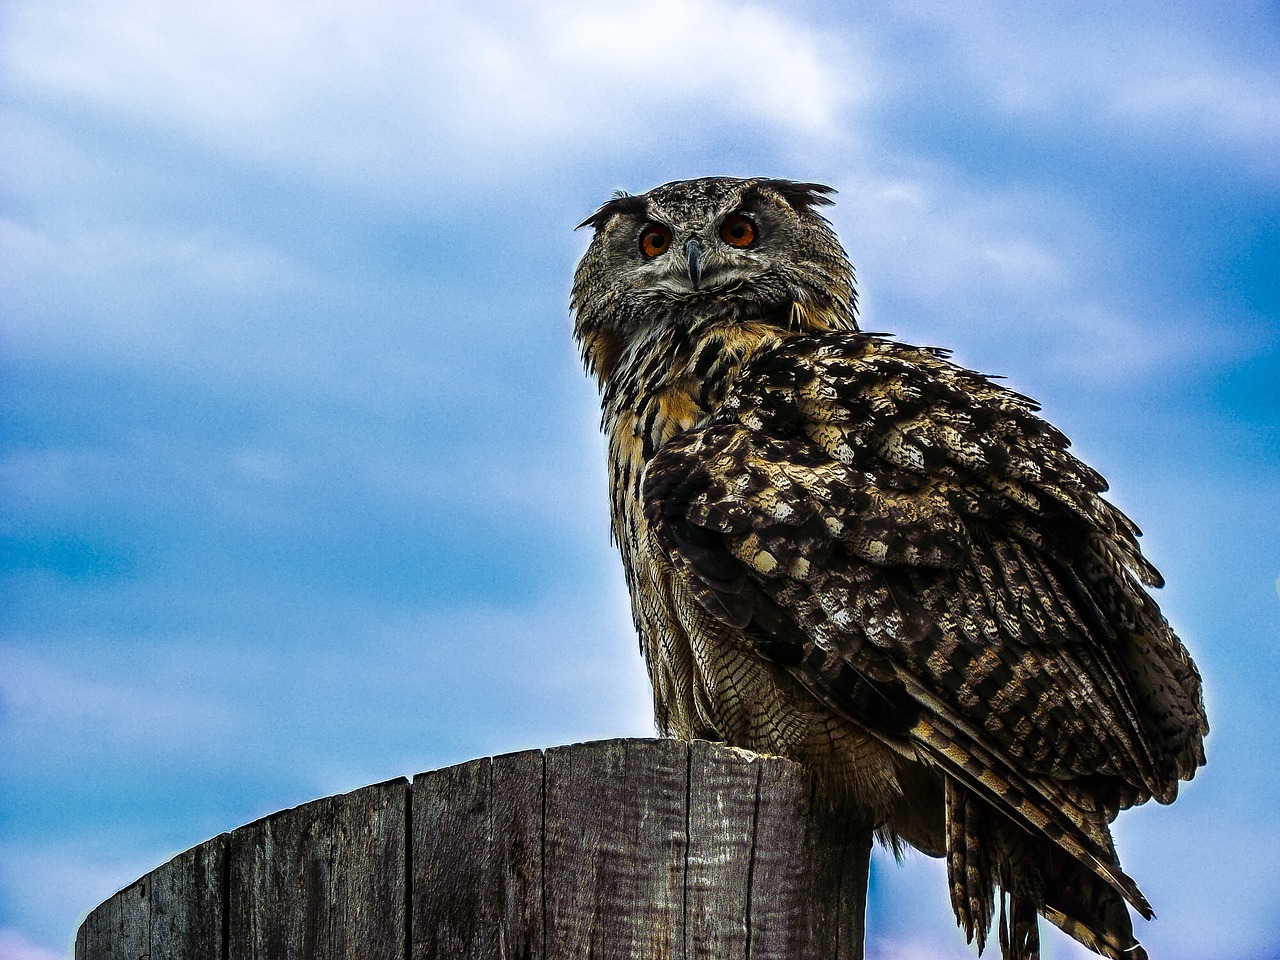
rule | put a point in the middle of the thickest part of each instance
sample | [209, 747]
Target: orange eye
[655, 240]
[738, 231]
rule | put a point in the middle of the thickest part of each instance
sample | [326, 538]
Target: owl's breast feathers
[920, 551]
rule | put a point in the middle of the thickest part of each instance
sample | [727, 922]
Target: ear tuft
[802, 196]
[622, 202]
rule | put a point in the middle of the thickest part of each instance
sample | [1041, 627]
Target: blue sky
[300, 481]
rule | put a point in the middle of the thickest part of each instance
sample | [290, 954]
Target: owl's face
[712, 250]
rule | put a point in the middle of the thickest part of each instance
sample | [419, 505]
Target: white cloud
[161, 706]
[131, 125]
[1234, 109]
[713, 54]
[96, 287]
[411, 91]
[1014, 276]
[285, 721]
[58, 882]
[413, 99]
[481, 677]
[943, 240]
[15, 946]
[1149, 74]
[1101, 344]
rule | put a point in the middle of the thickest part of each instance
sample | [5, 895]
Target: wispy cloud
[412, 93]
[998, 270]
[300, 477]
[1153, 75]
[141, 279]
[15, 946]
[190, 735]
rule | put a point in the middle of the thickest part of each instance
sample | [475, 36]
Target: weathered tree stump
[619, 849]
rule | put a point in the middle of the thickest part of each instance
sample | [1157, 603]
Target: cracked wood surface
[617, 849]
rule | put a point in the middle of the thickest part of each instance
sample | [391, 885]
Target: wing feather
[947, 571]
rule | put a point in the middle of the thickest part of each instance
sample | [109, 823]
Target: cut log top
[619, 849]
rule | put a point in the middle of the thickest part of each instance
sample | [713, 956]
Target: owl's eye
[738, 231]
[655, 240]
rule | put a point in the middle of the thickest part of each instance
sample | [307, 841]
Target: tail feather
[1032, 803]
[1019, 923]
[1102, 942]
[1035, 876]
[1021, 892]
[968, 865]
[1086, 909]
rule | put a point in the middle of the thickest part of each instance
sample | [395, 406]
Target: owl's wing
[919, 548]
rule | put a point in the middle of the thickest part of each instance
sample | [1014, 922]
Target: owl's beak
[693, 254]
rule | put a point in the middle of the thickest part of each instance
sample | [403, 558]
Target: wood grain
[615, 849]
[620, 849]
[324, 881]
[175, 912]
[477, 859]
[188, 904]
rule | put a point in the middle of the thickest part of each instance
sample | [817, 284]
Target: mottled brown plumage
[853, 552]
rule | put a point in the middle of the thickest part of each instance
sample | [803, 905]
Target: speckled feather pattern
[857, 553]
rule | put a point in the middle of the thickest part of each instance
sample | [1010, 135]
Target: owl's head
[714, 251]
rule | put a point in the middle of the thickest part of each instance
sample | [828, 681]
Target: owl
[858, 554]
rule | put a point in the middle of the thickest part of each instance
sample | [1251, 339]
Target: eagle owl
[853, 552]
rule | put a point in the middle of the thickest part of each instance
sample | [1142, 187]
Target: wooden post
[654, 849]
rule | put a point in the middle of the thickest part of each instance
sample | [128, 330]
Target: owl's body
[852, 552]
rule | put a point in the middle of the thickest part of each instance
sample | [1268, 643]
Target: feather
[858, 553]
